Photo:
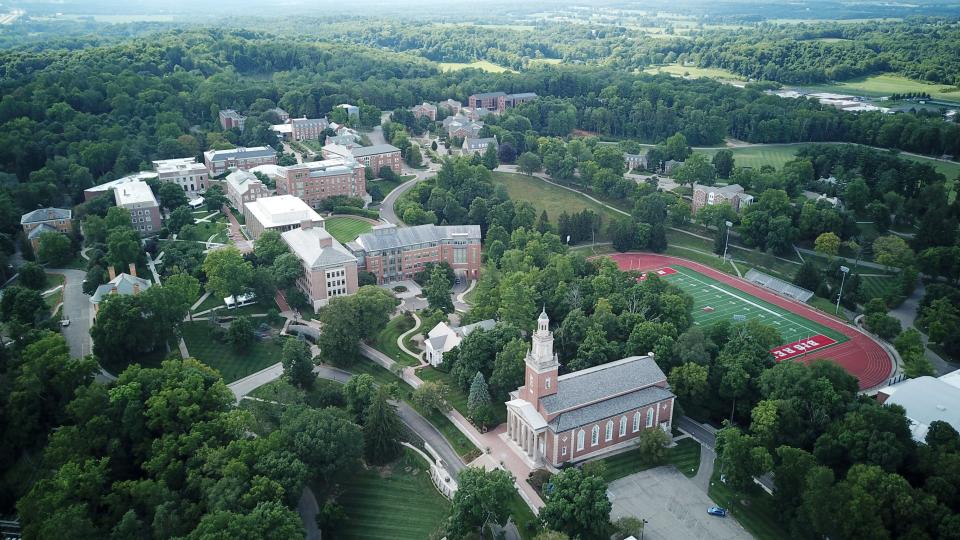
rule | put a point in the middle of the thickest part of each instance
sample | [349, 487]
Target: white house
[443, 338]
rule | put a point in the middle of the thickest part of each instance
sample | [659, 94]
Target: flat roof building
[185, 172]
[138, 198]
[280, 213]
[221, 161]
[396, 254]
[314, 181]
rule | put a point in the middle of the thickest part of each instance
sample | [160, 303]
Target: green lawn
[555, 200]
[457, 397]
[203, 231]
[211, 302]
[478, 64]
[223, 357]
[398, 501]
[685, 456]
[523, 517]
[346, 229]
[386, 340]
[386, 186]
[695, 72]
[886, 84]
[759, 516]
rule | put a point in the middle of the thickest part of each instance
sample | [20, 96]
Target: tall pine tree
[478, 402]
[382, 431]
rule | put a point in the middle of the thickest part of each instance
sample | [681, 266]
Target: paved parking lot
[674, 507]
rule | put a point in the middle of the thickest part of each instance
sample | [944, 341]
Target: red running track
[860, 355]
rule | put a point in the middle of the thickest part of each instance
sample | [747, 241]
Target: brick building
[375, 157]
[499, 101]
[478, 146]
[137, 197]
[396, 254]
[281, 213]
[242, 187]
[329, 268]
[185, 172]
[281, 114]
[221, 161]
[553, 419]
[44, 220]
[299, 129]
[425, 109]
[314, 181]
[452, 106]
[733, 195]
[230, 119]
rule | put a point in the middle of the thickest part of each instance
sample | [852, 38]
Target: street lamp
[843, 269]
[643, 527]
[727, 243]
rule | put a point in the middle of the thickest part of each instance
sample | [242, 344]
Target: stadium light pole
[727, 243]
[844, 271]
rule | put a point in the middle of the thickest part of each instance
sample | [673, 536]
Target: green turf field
[723, 302]
[346, 229]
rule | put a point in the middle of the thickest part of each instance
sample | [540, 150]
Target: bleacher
[778, 285]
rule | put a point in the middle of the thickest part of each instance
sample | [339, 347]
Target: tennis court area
[714, 301]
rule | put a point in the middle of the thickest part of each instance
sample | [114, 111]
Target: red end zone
[666, 271]
[803, 346]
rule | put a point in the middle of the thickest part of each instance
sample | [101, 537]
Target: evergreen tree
[490, 160]
[437, 290]
[543, 224]
[382, 431]
[478, 402]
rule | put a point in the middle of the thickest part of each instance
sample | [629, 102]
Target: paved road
[704, 436]
[308, 510]
[906, 313]
[76, 307]
[386, 207]
[412, 419]
[663, 496]
[244, 386]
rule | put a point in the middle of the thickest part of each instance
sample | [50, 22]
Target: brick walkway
[244, 245]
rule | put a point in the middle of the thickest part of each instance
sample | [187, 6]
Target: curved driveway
[386, 207]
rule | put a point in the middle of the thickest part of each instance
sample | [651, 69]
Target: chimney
[136, 289]
[133, 270]
[112, 272]
[326, 240]
[306, 224]
[49, 213]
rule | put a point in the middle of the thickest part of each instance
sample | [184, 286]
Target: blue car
[717, 511]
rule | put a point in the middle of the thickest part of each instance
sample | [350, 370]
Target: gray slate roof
[124, 284]
[478, 144]
[40, 229]
[45, 214]
[391, 237]
[485, 325]
[588, 385]
[374, 150]
[524, 95]
[486, 95]
[259, 151]
[610, 407]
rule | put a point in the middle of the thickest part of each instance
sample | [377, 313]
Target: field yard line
[805, 327]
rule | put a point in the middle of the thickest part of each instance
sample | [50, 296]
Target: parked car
[64, 322]
[717, 511]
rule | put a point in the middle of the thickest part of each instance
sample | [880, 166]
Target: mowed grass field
[223, 357]
[723, 302]
[478, 64]
[397, 501]
[885, 84]
[695, 72]
[555, 200]
[346, 229]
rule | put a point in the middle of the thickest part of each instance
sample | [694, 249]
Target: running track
[861, 356]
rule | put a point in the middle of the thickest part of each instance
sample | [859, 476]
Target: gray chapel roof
[586, 386]
[609, 407]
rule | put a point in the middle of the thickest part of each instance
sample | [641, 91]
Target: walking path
[460, 303]
[906, 313]
[235, 234]
[404, 335]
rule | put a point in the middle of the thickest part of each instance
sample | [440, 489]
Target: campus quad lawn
[555, 200]
[203, 231]
[346, 229]
[222, 356]
[685, 456]
[386, 340]
[726, 302]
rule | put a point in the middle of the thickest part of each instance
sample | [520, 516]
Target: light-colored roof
[240, 152]
[123, 284]
[274, 171]
[134, 193]
[523, 95]
[487, 95]
[108, 186]
[316, 248]
[731, 190]
[45, 214]
[281, 211]
[588, 385]
[390, 237]
[282, 128]
[530, 415]
[361, 151]
[477, 144]
[241, 180]
[184, 165]
[485, 325]
[927, 399]
[327, 167]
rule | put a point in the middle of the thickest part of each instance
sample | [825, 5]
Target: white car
[64, 322]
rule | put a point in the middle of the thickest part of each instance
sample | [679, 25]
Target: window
[563, 451]
[595, 436]
[608, 433]
[623, 426]
[636, 421]
[580, 440]
[548, 383]
[649, 417]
